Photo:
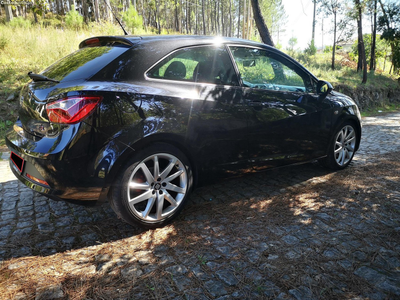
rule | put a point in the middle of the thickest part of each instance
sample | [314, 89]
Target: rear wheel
[153, 187]
[342, 148]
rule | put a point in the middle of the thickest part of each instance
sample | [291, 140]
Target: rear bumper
[59, 163]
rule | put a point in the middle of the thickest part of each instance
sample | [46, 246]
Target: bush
[328, 49]
[73, 19]
[3, 43]
[311, 49]
[132, 19]
[20, 22]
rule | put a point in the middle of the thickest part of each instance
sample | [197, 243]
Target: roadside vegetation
[26, 45]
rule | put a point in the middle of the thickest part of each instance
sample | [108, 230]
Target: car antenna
[109, 6]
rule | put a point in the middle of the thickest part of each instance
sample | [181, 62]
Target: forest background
[36, 33]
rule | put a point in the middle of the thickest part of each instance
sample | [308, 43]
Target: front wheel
[342, 148]
[154, 186]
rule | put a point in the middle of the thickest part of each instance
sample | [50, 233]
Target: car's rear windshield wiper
[38, 77]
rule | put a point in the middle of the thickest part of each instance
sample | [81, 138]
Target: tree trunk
[96, 11]
[222, 20]
[334, 41]
[196, 24]
[85, 11]
[244, 19]
[204, 22]
[158, 18]
[361, 54]
[108, 11]
[238, 25]
[392, 46]
[261, 26]
[372, 65]
[187, 20]
[35, 17]
[9, 14]
[230, 18]
[72, 3]
[190, 18]
[61, 10]
[313, 24]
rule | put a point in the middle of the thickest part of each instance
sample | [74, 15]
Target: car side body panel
[218, 127]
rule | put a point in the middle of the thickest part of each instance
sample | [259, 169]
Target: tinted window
[264, 70]
[198, 64]
[83, 63]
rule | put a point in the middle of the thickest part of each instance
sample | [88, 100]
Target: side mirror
[324, 87]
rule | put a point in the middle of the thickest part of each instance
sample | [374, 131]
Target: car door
[285, 116]
[217, 123]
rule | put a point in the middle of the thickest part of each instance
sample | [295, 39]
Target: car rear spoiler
[109, 41]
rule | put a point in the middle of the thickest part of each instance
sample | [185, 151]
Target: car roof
[176, 40]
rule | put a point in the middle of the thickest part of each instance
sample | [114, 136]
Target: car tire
[154, 187]
[342, 147]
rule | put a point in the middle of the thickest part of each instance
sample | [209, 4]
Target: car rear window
[83, 63]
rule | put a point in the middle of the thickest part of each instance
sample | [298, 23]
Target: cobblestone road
[206, 255]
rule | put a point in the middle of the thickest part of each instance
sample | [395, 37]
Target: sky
[299, 24]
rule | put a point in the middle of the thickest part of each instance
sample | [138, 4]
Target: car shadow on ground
[301, 231]
[42, 226]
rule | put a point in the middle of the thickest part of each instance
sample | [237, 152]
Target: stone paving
[228, 259]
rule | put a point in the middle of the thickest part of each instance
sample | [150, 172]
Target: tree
[132, 19]
[292, 42]
[389, 24]
[382, 48]
[9, 14]
[362, 60]
[341, 29]
[260, 23]
[372, 5]
[313, 23]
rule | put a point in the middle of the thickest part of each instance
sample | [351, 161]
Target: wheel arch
[171, 139]
[347, 117]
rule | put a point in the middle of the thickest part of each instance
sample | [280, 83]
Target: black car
[139, 120]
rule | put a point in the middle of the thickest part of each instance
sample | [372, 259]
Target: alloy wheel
[344, 145]
[157, 187]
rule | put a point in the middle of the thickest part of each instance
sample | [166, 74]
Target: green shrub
[311, 49]
[73, 19]
[20, 22]
[328, 49]
[3, 43]
[132, 20]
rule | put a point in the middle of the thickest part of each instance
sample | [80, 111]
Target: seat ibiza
[138, 121]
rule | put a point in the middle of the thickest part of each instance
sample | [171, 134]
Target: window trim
[220, 46]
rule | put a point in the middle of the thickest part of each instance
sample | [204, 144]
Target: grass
[345, 71]
[33, 48]
[373, 111]
[25, 47]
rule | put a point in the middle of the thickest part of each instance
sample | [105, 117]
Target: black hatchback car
[138, 120]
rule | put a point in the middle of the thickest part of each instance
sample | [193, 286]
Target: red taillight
[92, 42]
[71, 110]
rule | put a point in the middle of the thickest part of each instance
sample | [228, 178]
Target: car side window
[266, 70]
[206, 64]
